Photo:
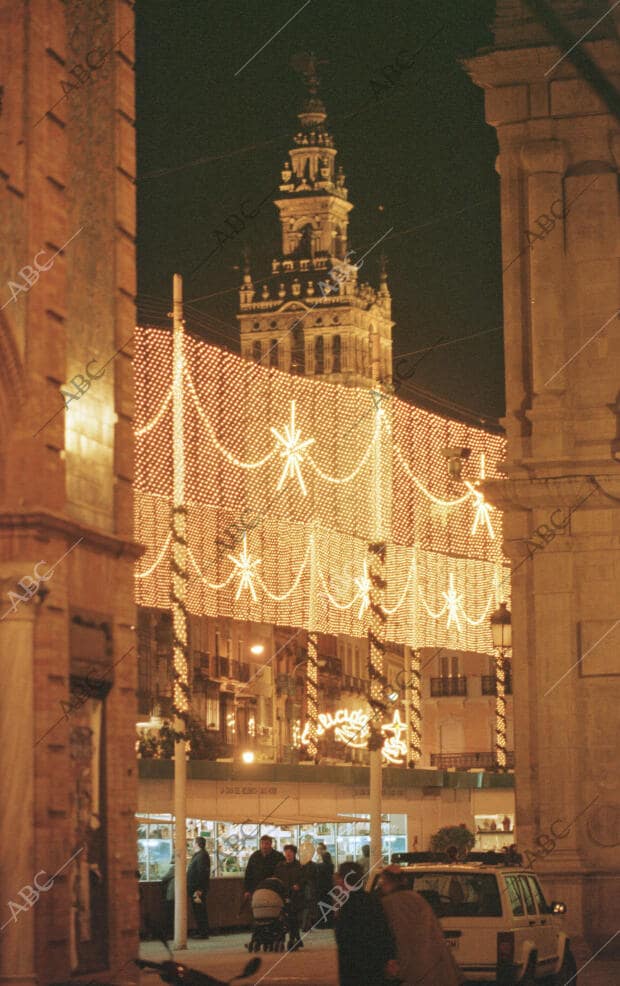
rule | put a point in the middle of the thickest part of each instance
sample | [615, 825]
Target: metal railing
[465, 761]
[489, 683]
[451, 685]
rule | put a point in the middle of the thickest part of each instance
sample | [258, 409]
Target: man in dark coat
[290, 873]
[261, 865]
[198, 879]
[325, 868]
[366, 947]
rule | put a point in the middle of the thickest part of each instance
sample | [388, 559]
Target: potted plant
[453, 835]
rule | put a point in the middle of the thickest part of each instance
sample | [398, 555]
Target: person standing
[422, 953]
[261, 865]
[364, 859]
[198, 880]
[310, 886]
[366, 946]
[290, 872]
[325, 867]
[167, 889]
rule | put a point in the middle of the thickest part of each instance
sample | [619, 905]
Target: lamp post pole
[178, 591]
[501, 629]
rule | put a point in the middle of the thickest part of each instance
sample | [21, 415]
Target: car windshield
[451, 895]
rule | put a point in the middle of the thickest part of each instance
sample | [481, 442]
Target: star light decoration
[395, 748]
[453, 604]
[291, 451]
[246, 573]
[483, 509]
[364, 585]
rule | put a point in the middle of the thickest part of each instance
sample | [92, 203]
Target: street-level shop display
[230, 844]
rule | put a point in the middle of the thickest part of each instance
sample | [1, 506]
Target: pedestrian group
[389, 936]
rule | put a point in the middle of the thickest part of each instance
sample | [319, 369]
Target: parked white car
[497, 922]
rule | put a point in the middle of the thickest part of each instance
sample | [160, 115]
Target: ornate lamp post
[501, 631]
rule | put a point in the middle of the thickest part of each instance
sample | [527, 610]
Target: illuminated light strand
[312, 693]
[289, 592]
[403, 628]
[216, 586]
[345, 513]
[364, 584]
[332, 599]
[160, 557]
[500, 710]
[453, 605]
[415, 708]
[228, 364]
[224, 451]
[427, 493]
[351, 476]
[139, 432]
[411, 574]
[376, 638]
[178, 561]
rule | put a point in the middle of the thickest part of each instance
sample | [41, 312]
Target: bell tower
[304, 319]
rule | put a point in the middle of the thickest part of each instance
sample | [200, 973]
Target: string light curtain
[295, 460]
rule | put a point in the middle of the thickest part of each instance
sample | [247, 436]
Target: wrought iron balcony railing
[449, 686]
[489, 684]
[465, 761]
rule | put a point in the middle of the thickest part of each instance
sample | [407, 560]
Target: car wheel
[529, 978]
[568, 971]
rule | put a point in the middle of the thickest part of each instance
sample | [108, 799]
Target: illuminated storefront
[230, 844]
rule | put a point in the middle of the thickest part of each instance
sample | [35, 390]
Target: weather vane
[306, 63]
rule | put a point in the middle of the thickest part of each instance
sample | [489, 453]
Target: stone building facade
[559, 153]
[67, 664]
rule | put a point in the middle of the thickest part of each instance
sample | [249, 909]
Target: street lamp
[501, 632]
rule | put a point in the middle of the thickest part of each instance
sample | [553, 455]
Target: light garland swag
[311, 450]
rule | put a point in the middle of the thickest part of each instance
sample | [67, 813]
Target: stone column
[544, 161]
[17, 859]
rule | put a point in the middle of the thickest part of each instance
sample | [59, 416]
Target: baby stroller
[269, 927]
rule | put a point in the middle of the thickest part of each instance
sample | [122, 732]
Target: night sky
[418, 157]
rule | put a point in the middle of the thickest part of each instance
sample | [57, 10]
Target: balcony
[350, 683]
[213, 666]
[331, 666]
[454, 685]
[489, 684]
[467, 761]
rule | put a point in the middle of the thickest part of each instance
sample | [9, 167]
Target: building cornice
[44, 523]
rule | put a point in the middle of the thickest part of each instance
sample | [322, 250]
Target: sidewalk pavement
[224, 956]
